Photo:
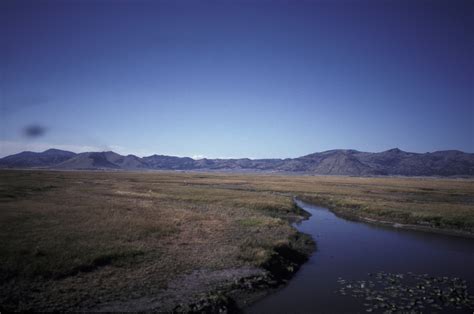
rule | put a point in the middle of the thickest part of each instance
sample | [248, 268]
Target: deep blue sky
[237, 78]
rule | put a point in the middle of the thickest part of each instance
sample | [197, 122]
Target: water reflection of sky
[351, 250]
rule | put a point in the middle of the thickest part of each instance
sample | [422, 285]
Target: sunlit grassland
[65, 234]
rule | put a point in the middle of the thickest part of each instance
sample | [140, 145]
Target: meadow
[112, 240]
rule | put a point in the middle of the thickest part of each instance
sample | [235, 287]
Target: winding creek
[358, 255]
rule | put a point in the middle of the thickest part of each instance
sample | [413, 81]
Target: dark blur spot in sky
[33, 131]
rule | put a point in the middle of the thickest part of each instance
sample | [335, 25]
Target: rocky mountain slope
[47, 158]
[332, 162]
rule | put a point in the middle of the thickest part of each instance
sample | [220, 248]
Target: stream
[360, 268]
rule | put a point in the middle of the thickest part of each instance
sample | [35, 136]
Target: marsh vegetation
[120, 240]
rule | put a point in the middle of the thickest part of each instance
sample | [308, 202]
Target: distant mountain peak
[29, 159]
[332, 162]
[395, 150]
[55, 151]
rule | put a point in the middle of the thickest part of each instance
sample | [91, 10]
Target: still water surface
[352, 250]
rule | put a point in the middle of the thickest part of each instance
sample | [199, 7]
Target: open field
[123, 240]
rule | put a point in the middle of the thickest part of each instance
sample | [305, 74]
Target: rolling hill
[332, 162]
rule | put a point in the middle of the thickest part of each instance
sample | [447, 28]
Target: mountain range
[333, 162]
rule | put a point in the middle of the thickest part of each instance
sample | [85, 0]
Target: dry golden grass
[69, 240]
[65, 234]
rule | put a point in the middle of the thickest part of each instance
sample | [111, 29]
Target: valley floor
[164, 241]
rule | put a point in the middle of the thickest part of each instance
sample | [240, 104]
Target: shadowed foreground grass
[73, 240]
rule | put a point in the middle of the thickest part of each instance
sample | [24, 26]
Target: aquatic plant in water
[409, 292]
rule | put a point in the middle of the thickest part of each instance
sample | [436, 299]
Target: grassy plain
[77, 240]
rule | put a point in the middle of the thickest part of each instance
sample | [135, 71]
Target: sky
[236, 78]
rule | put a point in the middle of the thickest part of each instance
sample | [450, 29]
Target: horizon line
[201, 157]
